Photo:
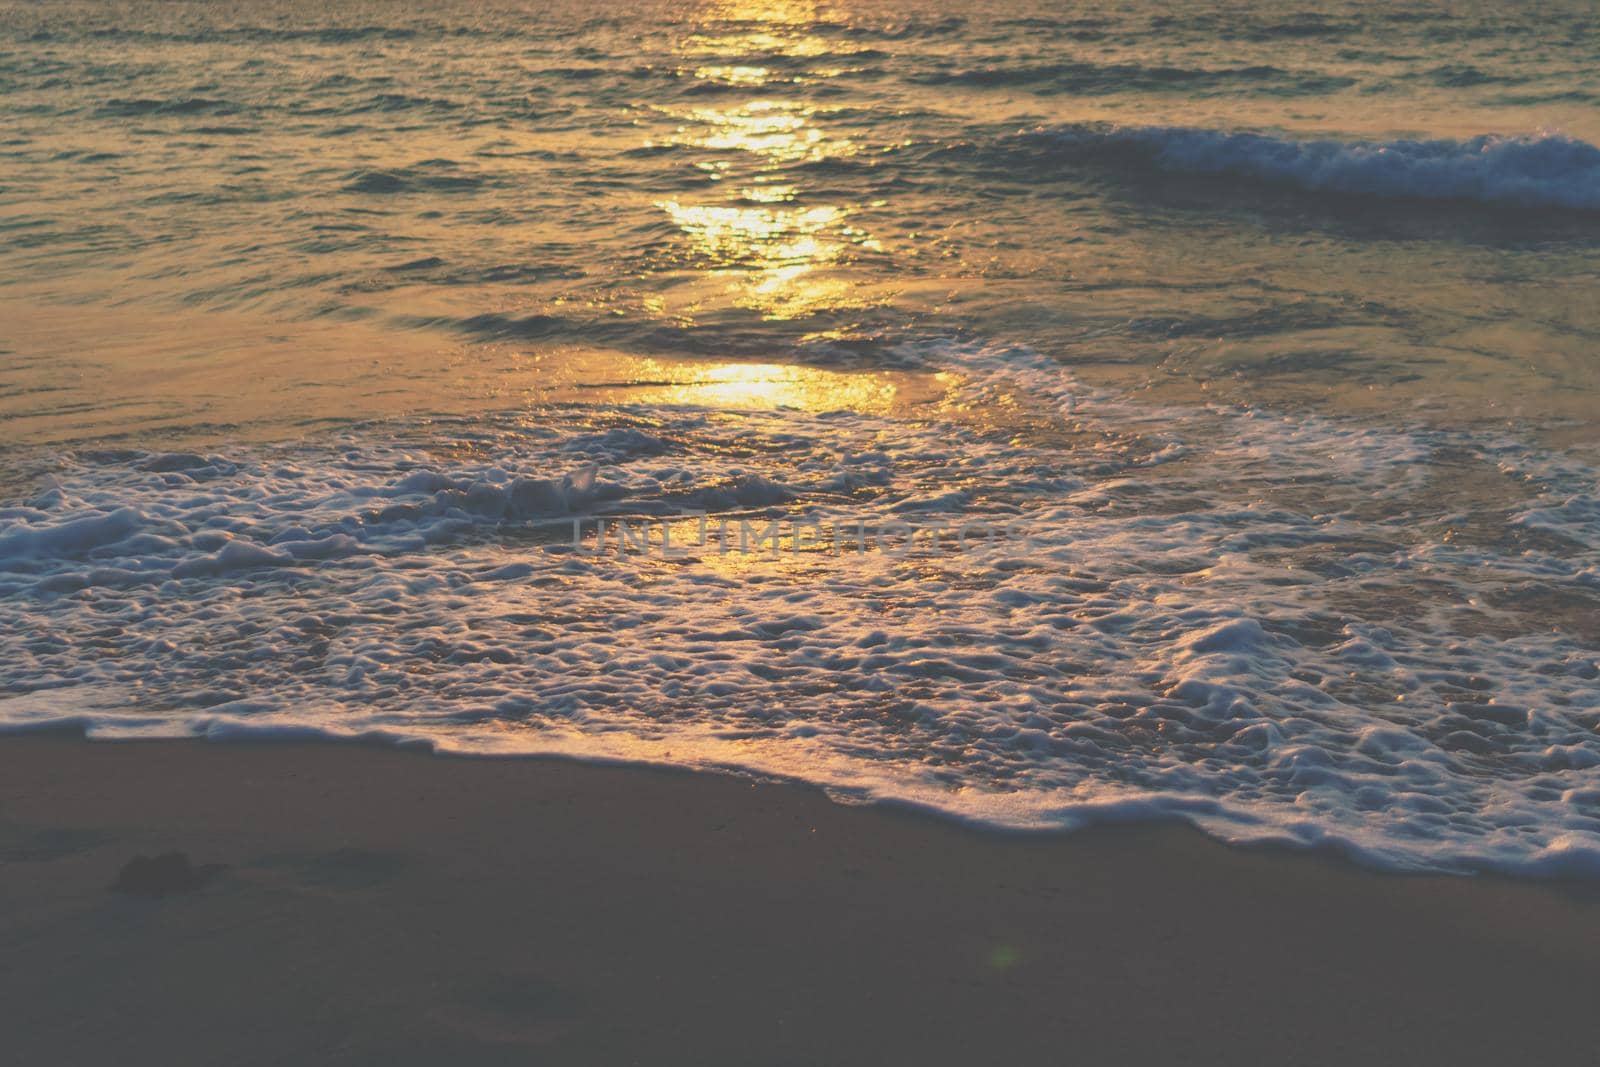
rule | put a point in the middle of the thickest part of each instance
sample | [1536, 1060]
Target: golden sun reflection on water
[773, 17]
[764, 386]
[777, 385]
[776, 131]
[734, 75]
[599, 376]
[786, 262]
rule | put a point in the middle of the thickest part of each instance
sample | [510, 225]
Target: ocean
[1036, 414]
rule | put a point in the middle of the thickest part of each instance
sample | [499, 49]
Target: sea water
[1253, 348]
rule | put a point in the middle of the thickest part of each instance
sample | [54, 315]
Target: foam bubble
[1304, 630]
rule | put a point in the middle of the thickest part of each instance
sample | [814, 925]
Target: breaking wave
[1546, 170]
[1297, 630]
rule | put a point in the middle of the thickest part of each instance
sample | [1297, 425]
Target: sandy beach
[390, 906]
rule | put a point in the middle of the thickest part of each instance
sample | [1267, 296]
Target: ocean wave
[182, 105]
[427, 176]
[1277, 629]
[1545, 170]
[1107, 78]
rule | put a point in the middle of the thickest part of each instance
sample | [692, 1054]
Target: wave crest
[1544, 170]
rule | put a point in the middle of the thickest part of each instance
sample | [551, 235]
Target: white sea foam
[1300, 630]
[1545, 170]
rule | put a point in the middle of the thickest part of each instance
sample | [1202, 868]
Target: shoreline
[385, 903]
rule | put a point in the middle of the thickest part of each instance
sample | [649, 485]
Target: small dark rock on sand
[168, 873]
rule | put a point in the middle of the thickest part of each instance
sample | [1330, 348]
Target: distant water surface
[1274, 328]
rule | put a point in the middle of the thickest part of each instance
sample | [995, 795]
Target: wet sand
[386, 906]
